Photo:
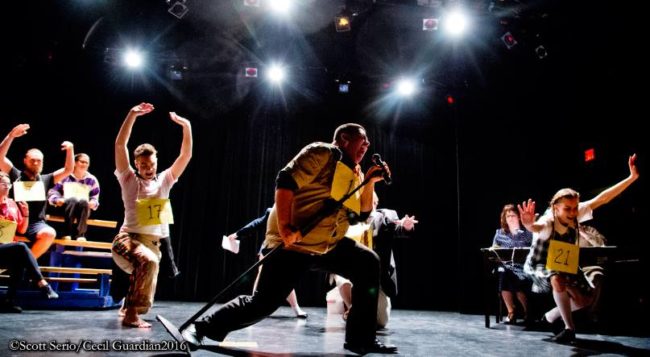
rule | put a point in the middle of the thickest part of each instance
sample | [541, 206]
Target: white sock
[563, 302]
[552, 315]
[298, 311]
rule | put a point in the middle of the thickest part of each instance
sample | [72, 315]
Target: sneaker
[566, 336]
[48, 292]
[81, 239]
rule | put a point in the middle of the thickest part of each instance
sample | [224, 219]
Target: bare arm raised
[121, 150]
[185, 155]
[610, 193]
[67, 169]
[18, 131]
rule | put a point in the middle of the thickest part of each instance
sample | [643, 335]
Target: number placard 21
[563, 257]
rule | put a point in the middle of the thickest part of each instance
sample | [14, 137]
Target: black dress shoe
[566, 336]
[556, 326]
[373, 347]
[7, 306]
[193, 339]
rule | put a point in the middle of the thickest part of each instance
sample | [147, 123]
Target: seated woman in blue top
[512, 278]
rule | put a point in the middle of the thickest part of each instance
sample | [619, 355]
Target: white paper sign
[76, 190]
[29, 191]
[231, 245]
[7, 231]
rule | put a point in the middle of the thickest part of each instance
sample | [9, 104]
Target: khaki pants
[138, 255]
[383, 309]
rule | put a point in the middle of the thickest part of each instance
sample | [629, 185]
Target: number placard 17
[154, 211]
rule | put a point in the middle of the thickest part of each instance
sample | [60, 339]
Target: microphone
[376, 159]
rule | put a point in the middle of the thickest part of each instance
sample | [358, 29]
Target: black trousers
[17, 258]
[76, 215]
[279, 275]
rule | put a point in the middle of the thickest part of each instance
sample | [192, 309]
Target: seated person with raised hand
[15, 256]
[512, 278]
[78, 194]
[30, 185]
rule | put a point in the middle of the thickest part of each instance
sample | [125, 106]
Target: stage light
[406, 87]
[252, 3]
[430, 24]
[541, 52]
[133, 59]
[276, 74]
[177, 8]
[455, 23]
[342, 23]
[176, 71]
[590, 154]
[250, 72]
[509, 40]
[280, 6]
[344, 86]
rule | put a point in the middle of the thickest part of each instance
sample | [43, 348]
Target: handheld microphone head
[376, 159]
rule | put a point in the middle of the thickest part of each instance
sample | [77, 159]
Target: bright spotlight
[406, 87]
[455, 23]
[133, 59]
[276, 74]
[280, 6]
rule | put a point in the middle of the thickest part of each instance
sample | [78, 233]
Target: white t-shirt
[133, 188]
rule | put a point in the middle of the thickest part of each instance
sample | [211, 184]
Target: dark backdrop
[518, 126]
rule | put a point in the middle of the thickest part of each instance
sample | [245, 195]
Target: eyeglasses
[5, 184]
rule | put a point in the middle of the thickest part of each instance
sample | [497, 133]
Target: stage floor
[416, 333]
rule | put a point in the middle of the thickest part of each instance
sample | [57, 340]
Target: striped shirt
[89, 180]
